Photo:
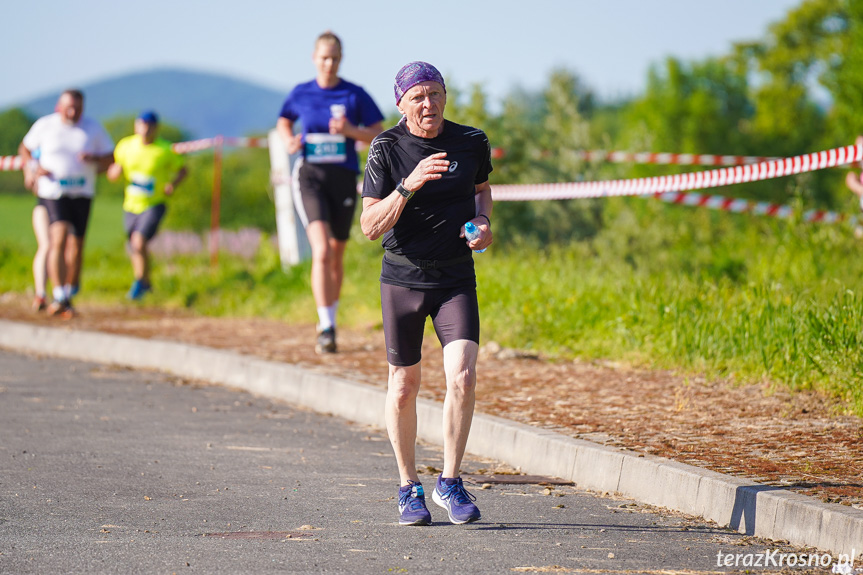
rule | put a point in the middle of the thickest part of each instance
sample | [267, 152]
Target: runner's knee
[404, 384]
[461, 380]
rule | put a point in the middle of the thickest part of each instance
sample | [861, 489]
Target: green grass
[738, 297]
[105, 229]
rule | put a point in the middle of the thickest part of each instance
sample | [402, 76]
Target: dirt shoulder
[797, 441]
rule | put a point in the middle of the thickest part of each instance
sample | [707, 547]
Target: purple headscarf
[412, 74]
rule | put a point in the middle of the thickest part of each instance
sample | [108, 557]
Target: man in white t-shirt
[73, 149]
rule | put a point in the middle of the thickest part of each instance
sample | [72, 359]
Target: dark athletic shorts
[75, 211]
[454, 313]
[146, 223]
[327, 193]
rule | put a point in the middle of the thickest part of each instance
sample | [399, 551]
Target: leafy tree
[844, 77]
[245, 193]
[764, 98]
[14, 124]
[472, 113]
[701, 107]
[121, 126]
[796, 54]
[816, 47]
[541, 136]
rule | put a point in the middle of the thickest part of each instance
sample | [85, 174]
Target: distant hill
[201, 103]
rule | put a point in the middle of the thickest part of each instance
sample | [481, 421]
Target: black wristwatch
[400, 188]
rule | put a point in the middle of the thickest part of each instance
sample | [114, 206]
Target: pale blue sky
[501, 44]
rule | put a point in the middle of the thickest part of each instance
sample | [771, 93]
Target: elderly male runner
[425, 178]
[73, 148]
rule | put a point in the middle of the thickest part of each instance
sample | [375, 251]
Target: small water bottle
[471, 233]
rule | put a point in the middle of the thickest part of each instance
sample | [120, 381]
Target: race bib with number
[141, 185]
[72, 185]
[325, 148]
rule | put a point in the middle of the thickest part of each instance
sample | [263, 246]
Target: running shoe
[326, 341]
[452, 496]
[62, 309]
[138, 289]
[74, 289]
[39, 303]
[412, 505]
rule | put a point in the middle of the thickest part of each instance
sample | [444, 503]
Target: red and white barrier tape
[682, 182]
[737, 205]
[669, 189]
[667, 158]
[496, 153]
[194, 145]
[247, 142]
[663, 158]
[10, 163]
[13, 163]
[207, 143]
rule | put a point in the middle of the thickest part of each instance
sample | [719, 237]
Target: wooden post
[216, 205]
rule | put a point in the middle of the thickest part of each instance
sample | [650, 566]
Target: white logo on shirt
[452, 166]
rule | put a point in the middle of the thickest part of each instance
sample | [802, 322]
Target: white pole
[293, 243]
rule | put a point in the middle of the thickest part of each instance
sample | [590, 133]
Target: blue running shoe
[138, 289]
[412, 505]
[452, 496]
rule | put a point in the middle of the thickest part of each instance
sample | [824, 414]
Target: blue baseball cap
[149, 117]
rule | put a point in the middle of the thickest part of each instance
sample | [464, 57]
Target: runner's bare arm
[30, 176]
[102, 161]
[359, 133]
[114, 172]
[380, 215]
[172, 185]
[292, 142]
[482, 220]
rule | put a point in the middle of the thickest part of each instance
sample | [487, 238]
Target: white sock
[326, 317]
[67, 291]
[59, 293]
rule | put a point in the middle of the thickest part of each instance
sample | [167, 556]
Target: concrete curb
[748, 507]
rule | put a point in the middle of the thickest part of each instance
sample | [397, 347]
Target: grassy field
[729, 296]
[105, 229]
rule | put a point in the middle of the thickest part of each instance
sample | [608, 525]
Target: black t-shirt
[429, 226]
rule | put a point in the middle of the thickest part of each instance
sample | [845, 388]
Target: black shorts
[327, 193]
[74, 211]
[146, 223]
[454, 313]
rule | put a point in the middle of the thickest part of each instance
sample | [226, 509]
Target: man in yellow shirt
[153, 170]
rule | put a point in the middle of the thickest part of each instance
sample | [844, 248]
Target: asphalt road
[107, 470]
